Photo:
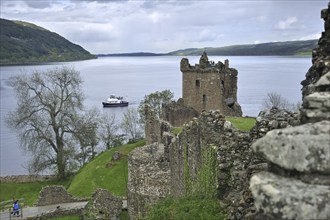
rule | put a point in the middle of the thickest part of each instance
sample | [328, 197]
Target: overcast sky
[116, 26]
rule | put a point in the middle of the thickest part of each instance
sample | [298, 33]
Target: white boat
[115, 101]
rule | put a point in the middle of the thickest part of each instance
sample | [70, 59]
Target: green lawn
[242, 123]
[104, 173]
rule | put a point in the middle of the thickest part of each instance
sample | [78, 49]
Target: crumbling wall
[148, 178]
[103, 205]
[177, 114]
[236, 160]
[152, 126]
[54, 195]
[297, 183]
[27, 178]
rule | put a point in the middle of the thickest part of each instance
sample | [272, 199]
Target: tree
[155, 101]
[276, 100]
[131, 124]
[46, 116]
[108, 130]
[86, 134]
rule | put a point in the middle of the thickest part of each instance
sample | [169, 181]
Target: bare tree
[108, 130]
[276, 100]
[131, 124]
[46, 116]
[86, 134]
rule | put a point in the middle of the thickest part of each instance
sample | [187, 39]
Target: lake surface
[135, 77]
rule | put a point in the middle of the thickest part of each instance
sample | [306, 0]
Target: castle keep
[210, 86]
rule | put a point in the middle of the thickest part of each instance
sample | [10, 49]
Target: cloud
[287, 24]
[311, 36]
[114, 26]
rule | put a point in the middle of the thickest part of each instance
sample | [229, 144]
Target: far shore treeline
[24, 43]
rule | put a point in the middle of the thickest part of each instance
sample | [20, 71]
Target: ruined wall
[103, 205]
[27, 178]
[236, 160]
[210, 86]
[148, 178]
[152, 126]
[297, 183]
[177, 114]
[54, 195]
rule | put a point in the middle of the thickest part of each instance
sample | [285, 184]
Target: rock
[103, 205]
[230, 101]
[116, 156]
[287, 198]
[303, 148]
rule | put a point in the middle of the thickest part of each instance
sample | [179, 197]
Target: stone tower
[209, 86]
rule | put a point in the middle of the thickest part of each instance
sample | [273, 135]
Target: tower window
[198, 83]
[204, 100]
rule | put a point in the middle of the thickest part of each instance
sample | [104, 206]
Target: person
[16, 208]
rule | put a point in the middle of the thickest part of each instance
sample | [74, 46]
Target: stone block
[286, 198]
[303, 148]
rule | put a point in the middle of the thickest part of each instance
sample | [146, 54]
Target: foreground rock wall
[148, 178]
[297, 183]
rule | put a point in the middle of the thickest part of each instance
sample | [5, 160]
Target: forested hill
[26, 43]
[265, 49]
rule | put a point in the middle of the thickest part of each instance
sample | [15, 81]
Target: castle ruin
[210, 86]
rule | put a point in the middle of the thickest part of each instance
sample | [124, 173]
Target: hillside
[287, 48]
[26, 43]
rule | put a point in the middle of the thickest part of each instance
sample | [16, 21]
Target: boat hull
[122, 104]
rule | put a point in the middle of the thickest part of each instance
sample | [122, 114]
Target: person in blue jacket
[16, 208]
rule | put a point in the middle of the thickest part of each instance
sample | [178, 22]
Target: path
[34, 211]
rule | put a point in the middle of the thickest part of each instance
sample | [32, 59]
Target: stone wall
[26, 178]
[103, 205]
[54, 195]
[209, 86]
[297, 183]
[177, 114]
[148, 178]
[156, 171]
[236, 160]
[152, 126]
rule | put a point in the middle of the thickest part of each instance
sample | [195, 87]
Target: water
[135, 77]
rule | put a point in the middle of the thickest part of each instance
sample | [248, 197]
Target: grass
[69, 217]
[104, 173]
[186, 208]
[28, 191]
[176, 130]
[242, 123]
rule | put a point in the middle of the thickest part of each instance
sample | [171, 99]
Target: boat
[115, 101]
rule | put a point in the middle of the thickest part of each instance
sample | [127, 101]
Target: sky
[160, 26]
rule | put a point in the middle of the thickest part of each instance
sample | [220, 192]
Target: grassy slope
[104, 173]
